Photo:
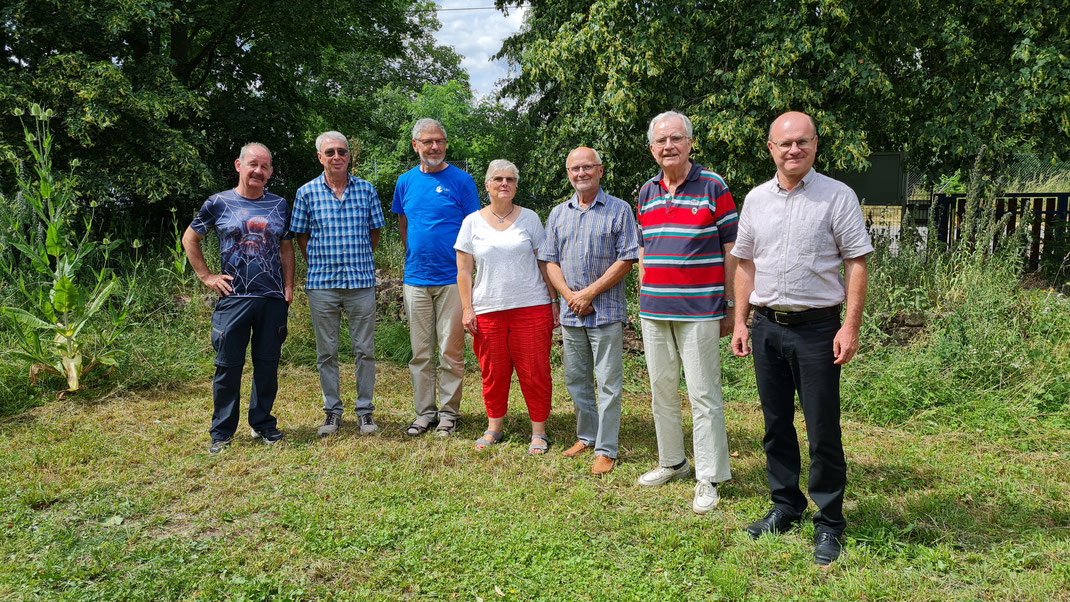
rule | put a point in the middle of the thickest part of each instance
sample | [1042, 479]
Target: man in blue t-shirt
[255, 287]
[431, 200]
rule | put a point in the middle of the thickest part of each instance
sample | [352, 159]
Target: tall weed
[990, 355]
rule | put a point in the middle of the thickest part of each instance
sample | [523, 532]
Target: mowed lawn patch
[119, 498]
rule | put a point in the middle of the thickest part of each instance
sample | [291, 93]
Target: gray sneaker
[367, 424]
[706, 497]
[219, 445]
[662, 475]
[331, 424]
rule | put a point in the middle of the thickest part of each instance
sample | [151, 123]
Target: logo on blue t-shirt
[439, 189]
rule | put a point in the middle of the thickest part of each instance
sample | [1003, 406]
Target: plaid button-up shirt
[585, 243]
[339, 245]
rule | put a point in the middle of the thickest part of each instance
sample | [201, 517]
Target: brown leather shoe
[577, 448]
[602, 465]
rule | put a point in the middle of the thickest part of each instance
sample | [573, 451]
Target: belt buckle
[777, 318]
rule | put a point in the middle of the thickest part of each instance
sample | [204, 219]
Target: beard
[432, 163]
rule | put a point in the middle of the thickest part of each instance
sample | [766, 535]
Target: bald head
[793, 146]
[796, 118]
[582, 154]
[584, 168]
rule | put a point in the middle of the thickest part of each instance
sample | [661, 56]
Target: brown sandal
[419, 427]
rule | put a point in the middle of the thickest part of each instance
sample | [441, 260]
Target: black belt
[791, 318]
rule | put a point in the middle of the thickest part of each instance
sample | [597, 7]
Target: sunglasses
[331, 152]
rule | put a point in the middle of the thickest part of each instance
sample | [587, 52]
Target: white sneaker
[662, 475]
[706, 497]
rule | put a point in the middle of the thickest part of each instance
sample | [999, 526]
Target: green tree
[937, 80]
[479, 132]
[155, 97]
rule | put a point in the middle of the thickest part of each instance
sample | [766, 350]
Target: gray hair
[249, 145]
[597, 157]
[688, 129]
[331, 135]
[502, 165]
[426, 124]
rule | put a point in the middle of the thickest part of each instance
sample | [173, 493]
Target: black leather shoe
[776, 521]
[827, 548]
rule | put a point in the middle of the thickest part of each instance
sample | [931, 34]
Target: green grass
[958, 447]
[950, 513]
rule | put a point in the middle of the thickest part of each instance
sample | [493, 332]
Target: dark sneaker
[367, 424]
[219, 445]
[269, 435]
[331, 424]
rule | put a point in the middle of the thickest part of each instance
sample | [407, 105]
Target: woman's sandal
[538, 448]
[482, 443]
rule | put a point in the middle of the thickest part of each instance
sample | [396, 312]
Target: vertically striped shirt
[585, 243]
[683, 236]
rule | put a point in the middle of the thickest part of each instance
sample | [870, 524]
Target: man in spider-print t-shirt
[255, 287]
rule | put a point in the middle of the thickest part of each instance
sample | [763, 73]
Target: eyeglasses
[575, 169]
[802, 143]
[676, 140]
[432, 142]
[332, 151]
[500, 179]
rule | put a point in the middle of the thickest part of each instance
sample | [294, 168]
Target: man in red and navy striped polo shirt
[687, 225]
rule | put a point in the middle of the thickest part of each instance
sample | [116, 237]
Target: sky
[477, 35]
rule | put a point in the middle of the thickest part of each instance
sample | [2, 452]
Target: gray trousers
[434, 314]
[325, 307]
[594, 376]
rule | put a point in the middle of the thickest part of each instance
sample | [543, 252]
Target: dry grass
[949, 516]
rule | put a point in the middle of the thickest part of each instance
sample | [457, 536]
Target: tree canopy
[155, 97]
[934, 79]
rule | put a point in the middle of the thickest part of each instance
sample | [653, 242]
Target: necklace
[501, 219]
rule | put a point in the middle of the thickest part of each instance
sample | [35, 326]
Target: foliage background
[936, 80]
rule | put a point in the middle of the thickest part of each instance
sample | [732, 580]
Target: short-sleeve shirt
[339, 244]
[798, 239]
[249, 232]
[434, 205]
[507, 273]
[585, 243]
[683, 236]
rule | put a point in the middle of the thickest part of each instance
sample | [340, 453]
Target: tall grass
[989, 354]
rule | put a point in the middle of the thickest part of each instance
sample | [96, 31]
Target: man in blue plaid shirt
[591, 243]
[336, 220]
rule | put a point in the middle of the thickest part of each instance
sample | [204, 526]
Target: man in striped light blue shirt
[336, 219]
[590, 246]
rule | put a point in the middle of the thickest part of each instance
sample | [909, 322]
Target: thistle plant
[72, 315]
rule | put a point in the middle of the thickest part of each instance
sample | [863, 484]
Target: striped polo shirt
[682, 236]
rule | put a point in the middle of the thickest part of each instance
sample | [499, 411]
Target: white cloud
[477, 35]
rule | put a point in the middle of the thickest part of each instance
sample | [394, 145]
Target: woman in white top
[508, 308]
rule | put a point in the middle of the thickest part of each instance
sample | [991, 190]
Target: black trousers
[799, 359]
[233, 320]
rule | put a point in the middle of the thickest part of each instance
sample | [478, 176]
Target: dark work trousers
[790, 359]
[232, 321]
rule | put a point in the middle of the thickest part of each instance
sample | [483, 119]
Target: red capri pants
[515, 338]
